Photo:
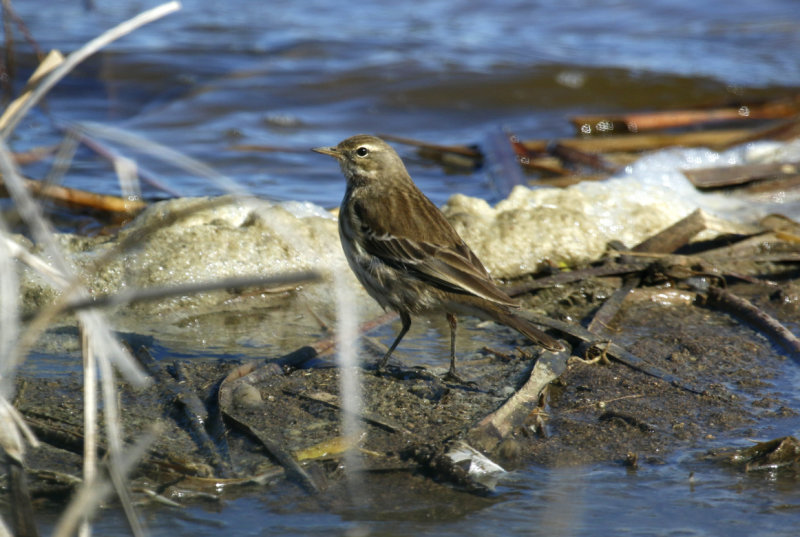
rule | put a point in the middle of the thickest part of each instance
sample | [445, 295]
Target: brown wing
[409, 231]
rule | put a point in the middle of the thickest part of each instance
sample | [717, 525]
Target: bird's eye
[362, 151]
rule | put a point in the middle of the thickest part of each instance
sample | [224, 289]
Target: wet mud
[234, 427]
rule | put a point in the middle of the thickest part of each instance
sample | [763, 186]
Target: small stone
[246, 396]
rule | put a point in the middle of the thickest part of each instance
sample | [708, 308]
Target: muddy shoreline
[283, 423]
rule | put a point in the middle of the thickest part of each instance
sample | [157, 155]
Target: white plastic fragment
[479, 467]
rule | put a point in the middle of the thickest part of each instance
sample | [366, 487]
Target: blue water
[675, 499]
[295, 75]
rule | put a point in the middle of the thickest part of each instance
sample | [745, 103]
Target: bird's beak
[330, 151]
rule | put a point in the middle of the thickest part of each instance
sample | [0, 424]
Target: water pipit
[406, 254]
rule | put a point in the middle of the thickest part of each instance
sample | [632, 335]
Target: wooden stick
[256, 371]
[81, 198]
[578, 156]
[781, 130]
[462, 150]
[643, 142]
[194, 410]
[665, 241]
[724, 176]
[647, 121]
[500, 423]
[673, 237]
[33, 155]
[562, 278]
[749, 313]
[615, 351]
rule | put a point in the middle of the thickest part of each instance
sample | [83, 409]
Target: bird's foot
[381, 367]
[402, 373]
[596, 353]
[452, 376]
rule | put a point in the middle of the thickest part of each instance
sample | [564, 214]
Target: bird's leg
[453, 322]
[451, 373]
[405, 318]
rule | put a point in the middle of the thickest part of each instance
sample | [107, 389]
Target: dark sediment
[600, 412]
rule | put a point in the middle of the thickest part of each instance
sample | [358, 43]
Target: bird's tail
[527, 329]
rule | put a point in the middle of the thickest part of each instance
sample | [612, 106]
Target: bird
[406, 254]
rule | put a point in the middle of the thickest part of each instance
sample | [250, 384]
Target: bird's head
[367, 159]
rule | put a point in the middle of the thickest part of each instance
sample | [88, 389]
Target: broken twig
[751, 314]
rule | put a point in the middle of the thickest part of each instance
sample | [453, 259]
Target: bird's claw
[452, 376]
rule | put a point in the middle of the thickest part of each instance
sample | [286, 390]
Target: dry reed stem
[71, 61]
[89, 420]
[91, 494]
[53, 59]
[97, 339]
[161, 152]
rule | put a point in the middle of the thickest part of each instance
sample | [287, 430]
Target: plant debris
[228, 425]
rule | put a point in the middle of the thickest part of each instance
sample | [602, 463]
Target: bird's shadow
[404, 374]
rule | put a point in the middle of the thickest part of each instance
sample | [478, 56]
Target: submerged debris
[258, 422]
[770, 455]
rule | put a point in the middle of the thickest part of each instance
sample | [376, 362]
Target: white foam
[572, 225]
